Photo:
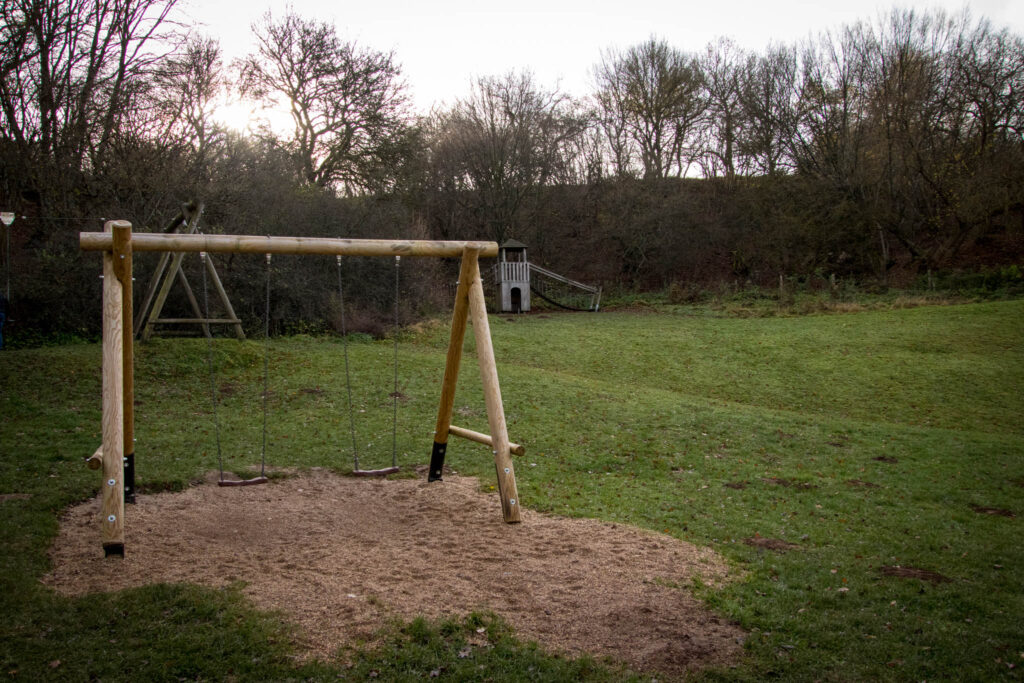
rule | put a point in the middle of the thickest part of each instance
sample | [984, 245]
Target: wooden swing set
[116, 455]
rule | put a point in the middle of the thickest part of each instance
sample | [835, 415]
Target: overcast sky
[442, 45]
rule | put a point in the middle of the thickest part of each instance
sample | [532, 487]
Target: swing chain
[209, 363]
[394, 394]
[348, 377]
[266, 368]
[213, 378]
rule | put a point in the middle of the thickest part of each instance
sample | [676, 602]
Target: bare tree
[721, 68]
[71, 70]
[651, 104]
[829, 136]
[495, 148]
[945, 97]
[914, 122]
[768, 87]
[187, 87]
[348, 104]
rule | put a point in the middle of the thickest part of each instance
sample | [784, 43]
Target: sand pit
[340, 556]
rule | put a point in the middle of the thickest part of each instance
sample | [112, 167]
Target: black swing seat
[243, 482]
[375, 473]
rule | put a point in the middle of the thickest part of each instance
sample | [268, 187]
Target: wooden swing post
[122, 257]
[114, 356]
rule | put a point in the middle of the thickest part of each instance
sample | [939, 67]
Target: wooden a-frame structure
[118, 244]
[148, 316]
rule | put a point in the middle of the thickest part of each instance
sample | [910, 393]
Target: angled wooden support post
[162, 279]
[112, 504]
[460, 315]
[169, 270]
[154, 285]
[183, 216]
[492, 397]
[165, 289]
[229, 310]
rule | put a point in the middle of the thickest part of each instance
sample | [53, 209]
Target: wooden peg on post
[95, 461]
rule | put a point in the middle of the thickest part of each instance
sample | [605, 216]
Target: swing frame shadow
[117, 244]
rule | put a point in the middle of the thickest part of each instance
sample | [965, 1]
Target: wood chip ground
[341, 556]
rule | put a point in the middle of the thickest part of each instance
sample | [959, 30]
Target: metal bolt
[112, 518]
[111, 482]
[512, 501]
[507, 470]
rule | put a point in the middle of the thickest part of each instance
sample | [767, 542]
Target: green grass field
[868, 440]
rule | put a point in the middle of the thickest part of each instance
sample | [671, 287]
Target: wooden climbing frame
[118, 243]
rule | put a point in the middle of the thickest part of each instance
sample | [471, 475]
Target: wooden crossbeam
[252, 244]
[205, 321]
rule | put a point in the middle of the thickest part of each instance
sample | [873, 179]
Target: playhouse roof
[513, 244]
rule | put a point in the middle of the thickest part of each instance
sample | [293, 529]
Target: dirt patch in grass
[1000, 512]
[341, 556]
[776, 544]
[735, 484]
[860, 483]
[789, 483]
[886, 459]
[914, 573]
[4, 497]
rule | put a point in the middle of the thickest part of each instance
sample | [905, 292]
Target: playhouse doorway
[516, 296]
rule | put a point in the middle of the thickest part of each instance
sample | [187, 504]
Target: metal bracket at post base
[113, 549]
[437, 462]
[129, 478]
